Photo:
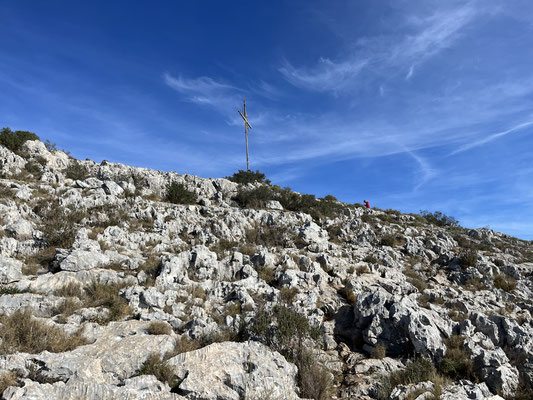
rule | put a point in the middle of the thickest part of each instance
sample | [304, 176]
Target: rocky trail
[111, 290]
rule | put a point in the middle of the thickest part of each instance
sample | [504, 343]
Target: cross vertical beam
[246, 126]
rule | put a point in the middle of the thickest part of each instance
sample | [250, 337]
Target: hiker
[367, 204]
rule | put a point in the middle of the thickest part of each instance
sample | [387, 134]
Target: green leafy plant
[438, 218]
[178, 193]
[14, 140]
[244, 177]
[76, 171]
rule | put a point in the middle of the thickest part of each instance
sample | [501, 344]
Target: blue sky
[408, 104]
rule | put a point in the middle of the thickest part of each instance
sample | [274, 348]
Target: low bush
[286, 295]
[76, 171]
[388, 240]
[348, 294]
[370, 259]
[34, 168]
[468, 258]
[379, 351]
[58, 223]
[438, 218]
[100, 295]
[271, 236]
[314, 379]
[178, 193]
[416, 371]
[254, 198]
[457, 363]
[20, 332]
[156, 366]
[505, 282]
[244, 177]
[415, 279]
[14, 140]
[159, 328]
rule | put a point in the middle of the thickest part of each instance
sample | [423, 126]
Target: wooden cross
[246, 126]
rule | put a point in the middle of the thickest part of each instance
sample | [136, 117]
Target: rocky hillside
[111, 290]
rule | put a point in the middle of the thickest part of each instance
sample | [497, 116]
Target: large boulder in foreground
[233, 371]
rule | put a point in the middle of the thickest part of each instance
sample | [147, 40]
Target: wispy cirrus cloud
[491, 137]
[205, 91]
[381, 54]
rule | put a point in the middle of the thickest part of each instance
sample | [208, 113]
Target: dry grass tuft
[22, 333]
[159, 328]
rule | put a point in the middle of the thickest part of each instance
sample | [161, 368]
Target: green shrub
[22, 333]
[457, 363]
[58, 223]
[76, 171]
[388, 240]
[416, 371]
[286, 295]
[505, 282]
[244, 177]
[178, 193]
[14, 140]
[468, 258]
[254, 198]
[438, 218]
[370, 259]
[34, 168]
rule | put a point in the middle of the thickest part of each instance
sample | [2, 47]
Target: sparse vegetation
[379, 351]
[76, 171]
[99, 295]
[348, 294]
[156, 366]
[21, 332]
[415, 279]
[505, 282]
[416, 371]
[159, 328]
[468, 258]
[7, 379]
[58, 223]
[457, 363]
[438, 218]
[178, 193]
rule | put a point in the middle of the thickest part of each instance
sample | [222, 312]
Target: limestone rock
[227, 371]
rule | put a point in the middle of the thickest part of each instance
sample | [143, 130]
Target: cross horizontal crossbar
[245, 120]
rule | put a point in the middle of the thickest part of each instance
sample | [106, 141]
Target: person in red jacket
[367, 204]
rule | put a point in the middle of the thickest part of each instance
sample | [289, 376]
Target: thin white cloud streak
[410, 72]
[490, 138]
[326, 76]
[381, 54]
[205, 91]
[428, 172]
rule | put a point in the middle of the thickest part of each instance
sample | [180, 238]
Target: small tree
[14, 140]
[438, 218]
[244, 177]
[177, 193]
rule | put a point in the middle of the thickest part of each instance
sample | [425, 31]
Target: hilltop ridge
[246, 291]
